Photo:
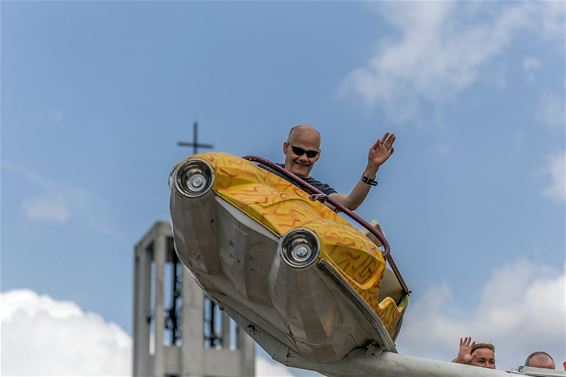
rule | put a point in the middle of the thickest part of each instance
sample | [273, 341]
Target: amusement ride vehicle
[315, 291]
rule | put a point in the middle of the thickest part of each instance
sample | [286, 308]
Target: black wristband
[369, 181]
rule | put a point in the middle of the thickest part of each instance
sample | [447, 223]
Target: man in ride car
[302, 151]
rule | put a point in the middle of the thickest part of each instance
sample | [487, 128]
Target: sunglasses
[300, 151]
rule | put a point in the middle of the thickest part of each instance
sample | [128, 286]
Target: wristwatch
[369, 181]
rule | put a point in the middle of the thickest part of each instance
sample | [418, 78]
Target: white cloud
[521, 310]
[441, 50]
[552, 111]
[265, 367]
[556, 167]
[58, 202]
[50, 208]
[530, 66]
[47, 337]
[42, 336]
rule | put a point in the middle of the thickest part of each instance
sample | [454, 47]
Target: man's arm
[379, 152]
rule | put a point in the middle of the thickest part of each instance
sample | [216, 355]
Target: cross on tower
[195, 144]
[212, 338]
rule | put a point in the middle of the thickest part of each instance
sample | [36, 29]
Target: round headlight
[299, 248]
[193, 178]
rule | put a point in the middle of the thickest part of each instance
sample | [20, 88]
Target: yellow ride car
[278, 256]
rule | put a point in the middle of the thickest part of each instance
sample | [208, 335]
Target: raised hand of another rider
[465, 351]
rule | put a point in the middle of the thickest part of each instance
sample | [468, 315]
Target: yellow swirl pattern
[281, 206]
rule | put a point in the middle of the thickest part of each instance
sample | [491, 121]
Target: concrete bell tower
[178, 331]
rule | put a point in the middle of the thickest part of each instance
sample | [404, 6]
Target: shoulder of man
[325, 188]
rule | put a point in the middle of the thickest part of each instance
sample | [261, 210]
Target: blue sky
[95, 95]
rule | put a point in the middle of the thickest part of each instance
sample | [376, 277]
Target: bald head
[303, 141]
[302, 131]
[540, 360]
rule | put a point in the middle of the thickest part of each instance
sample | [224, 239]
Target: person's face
[541, 361]
[306, 141]
[483, 357]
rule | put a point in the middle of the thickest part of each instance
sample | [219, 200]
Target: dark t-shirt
[319, 185]
[310, 180]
